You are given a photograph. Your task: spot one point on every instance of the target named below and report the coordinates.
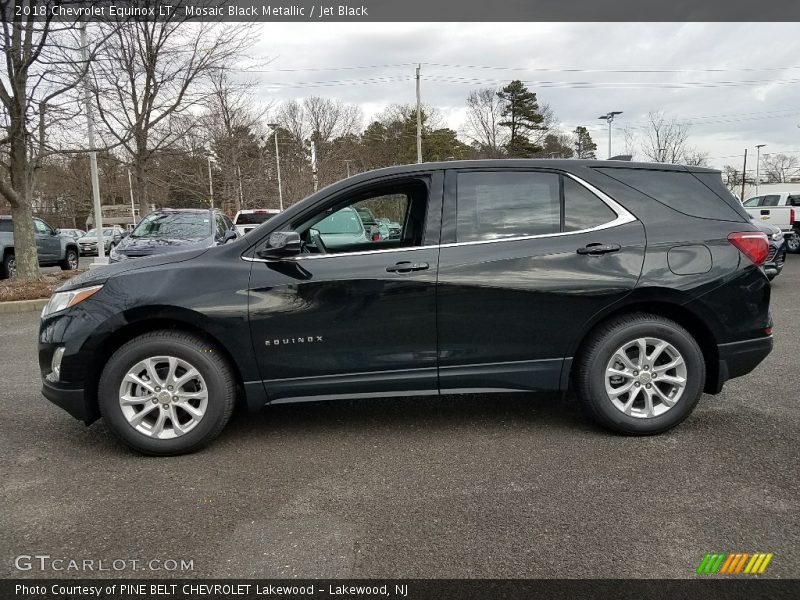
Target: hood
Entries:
(98, 275)
(147, 246)
(92, 238)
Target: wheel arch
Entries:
(100, 353)
(671, 305)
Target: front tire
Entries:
(70, 262)
(640, 374)
(793, 243)
(166, 392)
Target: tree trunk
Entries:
(25, 251)
(141, 188)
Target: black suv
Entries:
(638, 286)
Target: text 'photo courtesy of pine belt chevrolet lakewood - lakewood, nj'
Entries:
(635, 287)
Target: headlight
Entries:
(777, 236)
(62, 300)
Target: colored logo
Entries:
(732, 563)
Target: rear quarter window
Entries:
(6, 226)
(679, 190)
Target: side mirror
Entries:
(282, 244)
(229, 235)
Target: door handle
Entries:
(407, 267)
(598, 249)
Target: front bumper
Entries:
(72, 400)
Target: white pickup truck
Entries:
(781, 209)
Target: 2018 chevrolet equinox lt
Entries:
(637, 286)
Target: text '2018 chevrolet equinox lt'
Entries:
(637, 286)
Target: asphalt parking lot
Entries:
(503, 486)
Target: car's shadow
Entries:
(423, 412)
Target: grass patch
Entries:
(21, 289)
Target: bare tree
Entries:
(38, 82)
(322, 121)
(482, 128)
(151, 77)
(235, 125)
(665, 140)
(780, 167)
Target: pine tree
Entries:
(521, 116)
(584, 146)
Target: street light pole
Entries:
(98, 209)
(609, 118)
(758, 164)
(133, 207)
(210, 182)
(419, 120)
(278, 165)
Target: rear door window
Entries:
(753, 202)
(497, 205)
(771, 200)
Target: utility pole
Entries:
(98, 209)
(277, 165)
(347, 164)
(133, 207)
(241, 195)
(210, 182)
(314, 165)
(609, 118)
(758, 165)
(744, 172)
(419, 119)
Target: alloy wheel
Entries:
(645, 377)
(12, 267)
(163, 397)
(72, 260)
(793, 243)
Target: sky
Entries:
(736, 84)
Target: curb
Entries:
(22, 306)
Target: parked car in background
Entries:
(393, 230)
(777, 248)
(173, 230)
(371, 225)
(341, 228)
(781, 209)
(75, 234)
(111, 237)
(637, 286)
(249, 219)
(52, 249)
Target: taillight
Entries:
(791, 216)
(376, 237)
(753, 244)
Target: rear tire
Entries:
(637, 393)
(71, 261)
(169, 419)
(793, 243)
(8, 268)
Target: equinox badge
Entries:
(311, 339)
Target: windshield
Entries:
(343, 221)
(252, 218)
(94, 232)
(174, 225)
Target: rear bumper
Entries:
(73, 401)
(739, 358)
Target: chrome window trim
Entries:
(623, 217)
